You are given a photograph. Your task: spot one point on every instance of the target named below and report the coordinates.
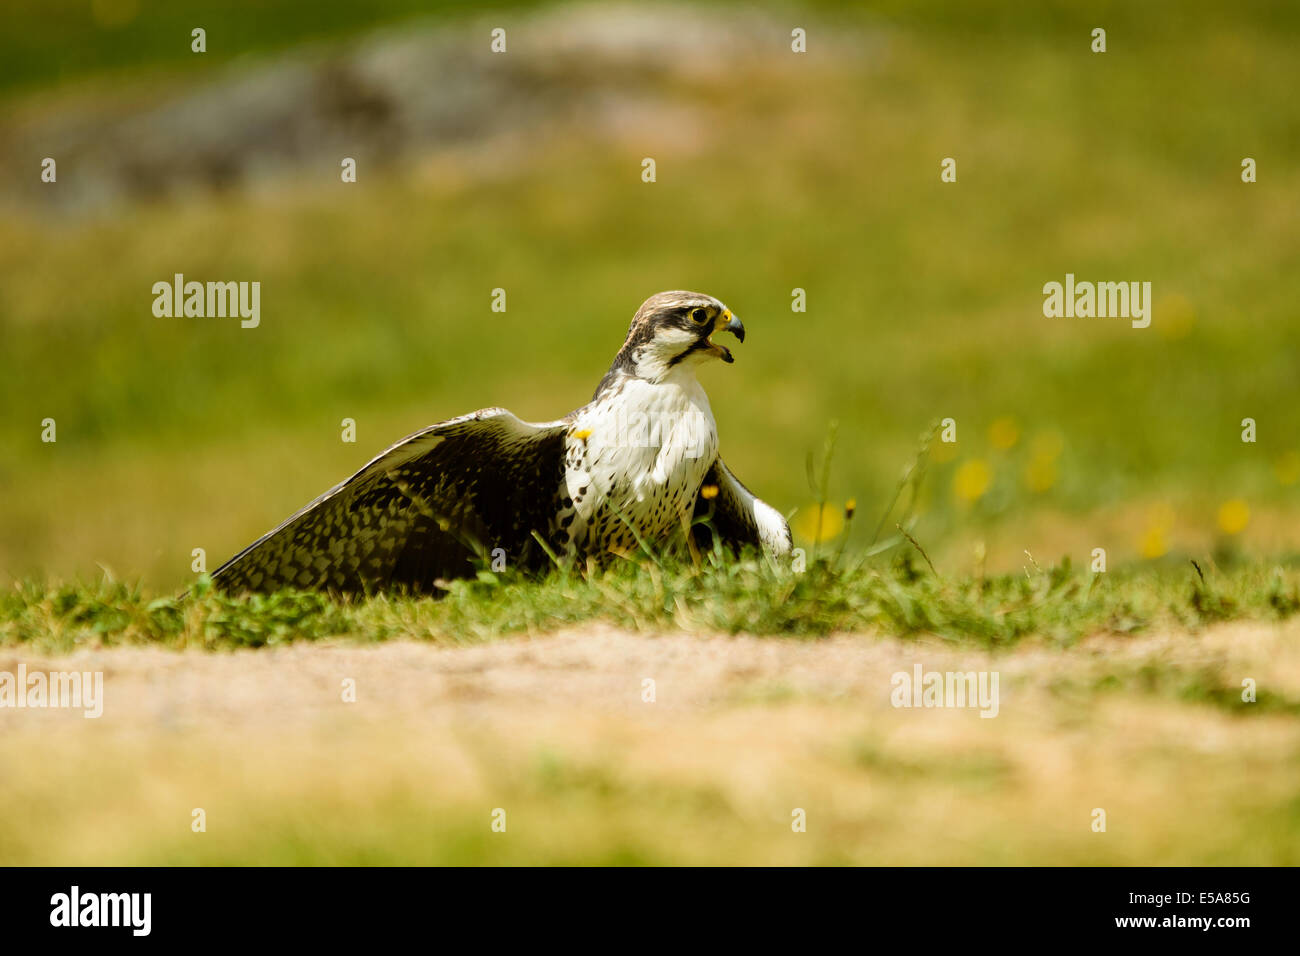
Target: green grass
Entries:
(752, 596)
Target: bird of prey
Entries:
(638, 464)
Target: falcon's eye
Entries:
(700, 316)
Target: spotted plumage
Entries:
(637, 464)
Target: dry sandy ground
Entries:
(743, 733)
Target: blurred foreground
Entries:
(742, 733)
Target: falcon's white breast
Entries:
(639, 450)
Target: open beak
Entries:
(726, 322)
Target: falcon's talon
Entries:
(508, 484)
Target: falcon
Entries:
(638, 465)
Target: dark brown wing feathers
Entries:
(423, 510)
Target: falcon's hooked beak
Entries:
(725, 322)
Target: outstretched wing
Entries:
(736, 516)
(422, 510)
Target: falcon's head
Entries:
(675, 329)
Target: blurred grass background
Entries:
(775, 171)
